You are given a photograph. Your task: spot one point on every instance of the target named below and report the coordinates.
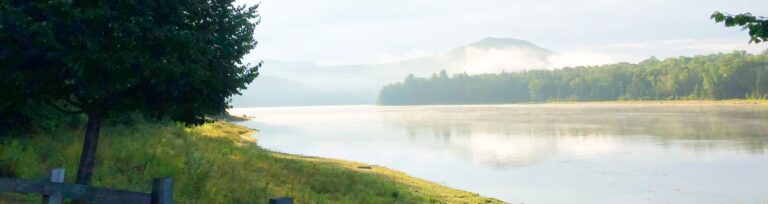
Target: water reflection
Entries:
(601, 153)
(524, 135)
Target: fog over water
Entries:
(594, 153)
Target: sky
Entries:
(338, 32)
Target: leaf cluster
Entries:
(757, 25)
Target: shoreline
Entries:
(639, 102)
(444, 194)
(434, 191)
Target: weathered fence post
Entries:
(162, 191)
(55, 191)
(57, 176)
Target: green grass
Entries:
(213, 163)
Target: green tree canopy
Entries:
(757, 25)
(170, 59)
(737, 75)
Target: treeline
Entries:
(736, 75)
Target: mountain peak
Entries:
(503, 44)
(491, 42)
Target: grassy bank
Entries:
(214, 163)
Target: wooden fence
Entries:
(55, 190)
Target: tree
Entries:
(736, 75)
(170, 59)
(757, 25)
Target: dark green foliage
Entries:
(757, 25)
(170, 59)
(177, 59)
(737, 75)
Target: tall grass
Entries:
(213, 163)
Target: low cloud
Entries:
(495, 60)
(583, 58)
(478, 61)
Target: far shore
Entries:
(242, 117)
(641, 102)
(681, 102)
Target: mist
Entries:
(336, 47)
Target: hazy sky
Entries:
(593, 31)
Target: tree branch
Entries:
(59, 108)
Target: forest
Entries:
(736, 75)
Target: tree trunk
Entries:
(88, 157)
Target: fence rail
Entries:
(55, 190)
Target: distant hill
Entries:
(489, 55)
(290, 83)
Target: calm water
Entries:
(599, 153)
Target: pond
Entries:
(544, 153)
